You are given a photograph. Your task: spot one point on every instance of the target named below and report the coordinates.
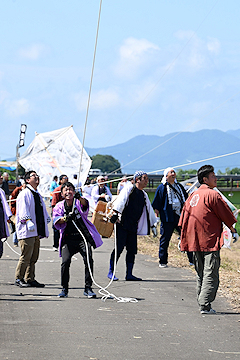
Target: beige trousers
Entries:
(29, 256)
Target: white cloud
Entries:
(133, 54)
(102, 99)
(33, 52)
(15, 108)
(214, 45)
(197, 51)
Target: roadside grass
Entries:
(229, 271)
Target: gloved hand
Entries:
(68, 217)
(114, 218)
(235, 237)
(154, 231)
(107, 198)
(77, 195)
(30, 225)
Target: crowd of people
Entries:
(197, 219)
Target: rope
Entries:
(174, 136)
(164, 73)
(90, 89)
(103, 290)
(199, 161)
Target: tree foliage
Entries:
(184, 173)
(189, 171)
(228, 171)
(235, 171)
(106, 163)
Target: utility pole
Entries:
(20, 144)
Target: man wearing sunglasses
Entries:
(31, 225)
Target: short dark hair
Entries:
(55, 177)
(67, 184)
(60, 178)
(27, 175)
(204, 171)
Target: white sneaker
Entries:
(163, 265)
(211, 311)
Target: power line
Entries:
(162, 76)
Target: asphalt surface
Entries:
(165, 323)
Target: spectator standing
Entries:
(5, 186)
(100, 191)
(121, 185)
(31, 225)
(5, 215)
(53, 186)
(57, 196)
(201, 223)
(14, 196)
(168, 202)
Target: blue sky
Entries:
(161, 66)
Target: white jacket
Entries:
(122, 200)
(25, 211)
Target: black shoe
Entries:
(132, 278)
(63, 293)
(89, 293)
(21, 283)
(35, 283)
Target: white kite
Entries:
(54, 153)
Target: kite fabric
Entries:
(54, 153)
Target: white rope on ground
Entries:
(103, 290)
(164, 73)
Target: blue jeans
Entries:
(15, 240)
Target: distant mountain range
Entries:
(151, 152)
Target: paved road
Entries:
(164, 324)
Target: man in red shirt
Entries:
(201, 232)
(55, 199)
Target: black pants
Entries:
(56, 236)
(126, 239)
(68, 250)
(166, 231)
